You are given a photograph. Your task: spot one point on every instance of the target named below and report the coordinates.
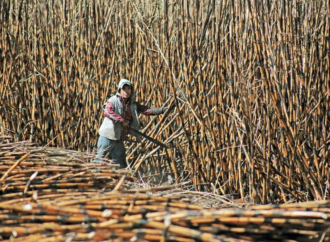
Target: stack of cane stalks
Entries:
(59, 195)
(26, 169)
(250, 83)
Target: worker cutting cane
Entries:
(120, 119)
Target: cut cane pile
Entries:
(52, 194)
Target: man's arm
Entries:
(149, 110)
(111, 114)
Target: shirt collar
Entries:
(121, 99)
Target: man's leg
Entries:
(118, 154)
(104, 147)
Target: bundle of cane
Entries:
(136, 216)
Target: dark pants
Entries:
(113, 149)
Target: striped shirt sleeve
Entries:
(111, 114)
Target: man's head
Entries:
(125, 89)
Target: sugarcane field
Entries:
(176, 121)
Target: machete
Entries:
(149, 138)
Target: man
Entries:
(121, 112)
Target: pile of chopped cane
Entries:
(51, 194)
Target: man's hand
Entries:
(125, 124)
(160, 110)
(170, 108)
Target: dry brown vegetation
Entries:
(249, 81)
